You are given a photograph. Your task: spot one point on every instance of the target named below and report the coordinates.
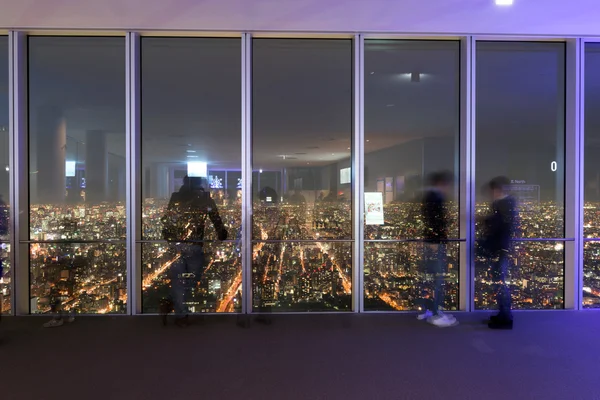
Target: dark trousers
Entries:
(435, 264)
(501, 289)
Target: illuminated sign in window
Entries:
(345, 175)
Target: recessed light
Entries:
(504, 2)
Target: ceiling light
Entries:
(504, 2)
(192, 156)
(191, 151)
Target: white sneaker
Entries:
(425, 315)
(53, 323)
(440, 312)
(442, 321)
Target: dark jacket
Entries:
(186, 216)
(500, 226)
(435, 217)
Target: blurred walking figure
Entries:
(183, 228)
(500, 227)
(435, 218)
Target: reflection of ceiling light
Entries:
(191, 151)
(504, 2)
(333, 154)
(372, 72)
(348, 148)
(192, 156)
(7, 168)
(367, 140)
(260, 171)
(197, 169)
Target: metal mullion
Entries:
(467, 191)
(358, 183)
(133, 151)
(574, 169)
(246, 132)
(19, 172)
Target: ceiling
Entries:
(525, 17)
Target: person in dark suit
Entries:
(500, 227)
(435, 235)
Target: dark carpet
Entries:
(548, 355)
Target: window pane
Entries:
(536, 277)
(412, 99)
(521, 135)
(591, 275)
(218, 288)
(81, 277)
(5, 294)
(302, 139)
(77, 169)
(521, 129)
(591, 211)
(302, 134)
(398, 277)
(191, 133)
(301, 276)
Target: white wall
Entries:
(525, 17)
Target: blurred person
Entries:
(499, 229)
(183, 228)
(435, 236)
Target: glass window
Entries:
(521, 135)
(302, 139)
(191, 173)
(412, 128)
(5, 276)
(591, 211)
(77, 174)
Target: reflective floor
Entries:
(549, 355)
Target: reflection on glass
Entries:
(77, 138)
(301, 276)
(591, 275)
(5, 295)
(536, 277)
(82, 277)
(521, 129)
(5, 279)
(412, 98)
(191, 121)
(219, 289)
(521, 135)
(77, 169)
(302, 135)
(398, 277)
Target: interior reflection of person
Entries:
(435, 234)
(499, 229)
(184, 229)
